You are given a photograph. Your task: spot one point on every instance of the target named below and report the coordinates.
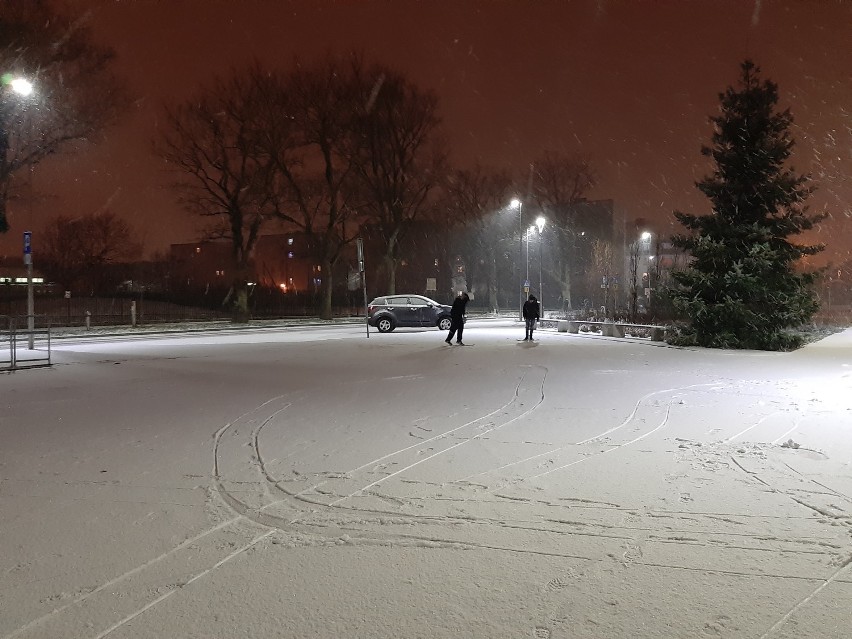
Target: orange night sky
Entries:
(629, 83)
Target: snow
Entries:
(313, 482)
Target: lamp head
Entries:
(19, 85)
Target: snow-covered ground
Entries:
(315, 483)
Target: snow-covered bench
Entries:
(612, 329)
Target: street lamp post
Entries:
(646, 244)
(23, 88)
(529, 233)
(519, 204)
(539, 222)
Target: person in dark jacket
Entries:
(457, 319)
(532, 312)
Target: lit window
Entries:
(198, 249)
(436, 261)
(289, 241)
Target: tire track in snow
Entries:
(189, 581)
(753, 426)
(90, 595)
(80, 599)
(528, 395)
(365, 530)
(844, 567)
(823, 511)
(627, 421)
(659, 426)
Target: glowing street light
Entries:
(22, 86)
(19, 85)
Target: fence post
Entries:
(12, 342)
(88, 320)
(133, 313)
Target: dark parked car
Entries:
(390, 311)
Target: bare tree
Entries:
(633, 275)
(561, 182)
(308, 142)
(74, 92)
(212, 141)
(602, 272)
(76, 252)
(474, 199)
(398, 157)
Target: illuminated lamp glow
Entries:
(21, 86)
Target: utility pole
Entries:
(28, 260)
(360, 244)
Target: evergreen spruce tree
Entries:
(742, 289)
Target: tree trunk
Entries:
(564, 271)
(634, 281)
(240, 312)
(564, 274)
(492, 281)
(327, 289)
(390, 268)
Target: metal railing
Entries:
(21, 347)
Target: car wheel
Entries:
(385, 325)
(444, 323)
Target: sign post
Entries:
(360, 243)
(28, 260)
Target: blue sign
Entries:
(28, 242)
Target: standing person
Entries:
(457, 318)
(531, 314)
